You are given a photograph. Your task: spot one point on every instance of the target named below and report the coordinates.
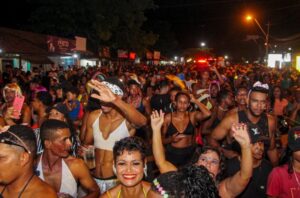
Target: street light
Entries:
(266, 34)
(202, 44)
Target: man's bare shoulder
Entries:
(42, 189)
(74, 161)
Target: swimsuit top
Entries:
(189, 130)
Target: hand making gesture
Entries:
(157, 120)
(104, 92)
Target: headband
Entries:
(259, 85)
(114, 88)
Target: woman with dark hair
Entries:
(190, 182)
(130, 167)
(179, 129)
(283, 181)
(209, 158)
(278, 102)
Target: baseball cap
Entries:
(294, 139)
(256, 134)
(60, 107)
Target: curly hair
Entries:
(190, 182)
(130, 144)
(202, 150)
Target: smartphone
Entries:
(17, 106)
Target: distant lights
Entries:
(1, 51)
(226, 57)
(175, 58)
(75, 55)
(203, 44)
(290, 49)
(189, 60)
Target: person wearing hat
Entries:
(284, 181)
(115, 120)
(255, 114)
(261, 167)
(17, 176)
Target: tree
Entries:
(116, 23)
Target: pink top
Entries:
(281, 184)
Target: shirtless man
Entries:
(17, 154)
(115, 120)
(257, 103)
(57, 167)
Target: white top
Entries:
(68, 183)
(107, 144)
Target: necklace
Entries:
(23, 189)
(297, 180)
(48, 162)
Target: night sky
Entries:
(219, 23)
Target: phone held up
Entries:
(17, 106)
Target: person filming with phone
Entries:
(15, 110)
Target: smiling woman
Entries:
(129, 167)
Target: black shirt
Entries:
(258, 183)
(160, 102)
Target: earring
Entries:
(114, 170)
(145, 170)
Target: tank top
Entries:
(68, 183)
(189, 130)
(262, 124)
(107, 144)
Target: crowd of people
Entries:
(150, 131)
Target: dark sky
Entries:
(221, 23)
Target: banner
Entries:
(122, 54)
(156, 55)
(104, 52)
(60, 45)
(80, 43)
(149, 55)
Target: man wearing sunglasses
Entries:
(17, 154)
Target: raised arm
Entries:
(106, 95)
(220, 132)
(233, 186)
(163, 165)
(204, 111)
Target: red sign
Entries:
(60, 45)
(132, 55)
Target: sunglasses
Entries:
(21, 143)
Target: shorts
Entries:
(179, 156)
(106, 184)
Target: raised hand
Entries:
(240, 134)
(157, 120)
(104, 93)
